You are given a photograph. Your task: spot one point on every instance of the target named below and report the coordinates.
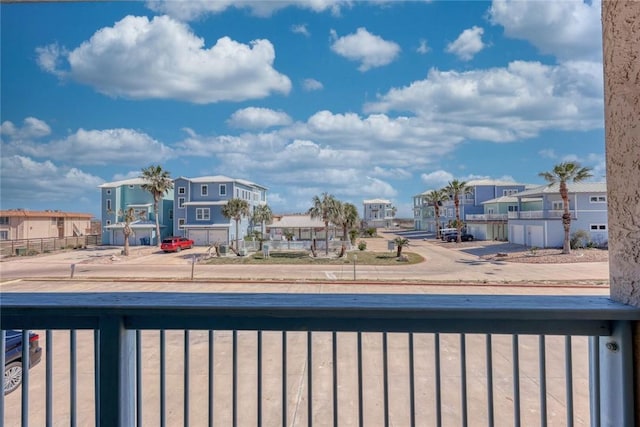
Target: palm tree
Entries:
(400, 243)
(562, 173)
(235, 209)
(435, 198)
(324, 207)
(262, 214)
(456, 189)
(128, 217)
(347, 217)
(158, 183)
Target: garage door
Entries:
(535, 234)
(516, 234)
(208, 237)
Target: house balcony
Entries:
(486, 217)
(546, 214)
(138, 359)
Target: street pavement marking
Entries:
(330, 275)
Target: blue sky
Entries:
(359, 99)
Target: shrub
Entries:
(370, 232)
(362, 245)
(580, 239)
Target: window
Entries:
(131, 186)
(108, 222)
(108, 204)
(181, 223)
(598, 227)
(4, 235)
(509, 192)
(182, 190)
(202, 214)
(512, 208)
(598, 199)
(4, 220)
(181, 202)
(170, 213)
(108, 191)
(557, 205)
(223, 189)
(204, 190)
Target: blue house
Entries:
(538, 218)
(471, 204)
(198, 207)
(118, 197)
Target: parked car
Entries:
(465, 237)
(13, 358)
(176, 244)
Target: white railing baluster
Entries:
(48, 348)
(463, 379)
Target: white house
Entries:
(378, 213)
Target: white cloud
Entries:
(568, 29)
(300, 29)
(423, 47)
(504, 104)
(468, 43)
(258, 118)
(92, 147)
(311, 85)
(163, 59)
(436, 179)
(32, 128)
(368, 49)
(28, 182)
(548, 153)
(188, 10)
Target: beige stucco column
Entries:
(621, 43)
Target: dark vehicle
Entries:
(465, 237)
(176, 244)
(13, 358)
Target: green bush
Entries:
(362, 245)
(370, 232)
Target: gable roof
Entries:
(573, 187)
(131, 181)
(44, 214)
(384, 201)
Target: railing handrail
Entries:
(575, 315)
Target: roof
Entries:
(297, 221)
(573, 187)
(43, 214)
(140, 205)
(509, 199)
(376, 201)
(476, 182)
(131, 181)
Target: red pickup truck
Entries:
(176, 244)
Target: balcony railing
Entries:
(486, 217)
(127, 359)
(548, 214)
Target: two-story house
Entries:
(198, 207)
(537, 221)
(471, 205)
(378, 213)
(16, 224)
(118, 197)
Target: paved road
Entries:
(444, 264)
